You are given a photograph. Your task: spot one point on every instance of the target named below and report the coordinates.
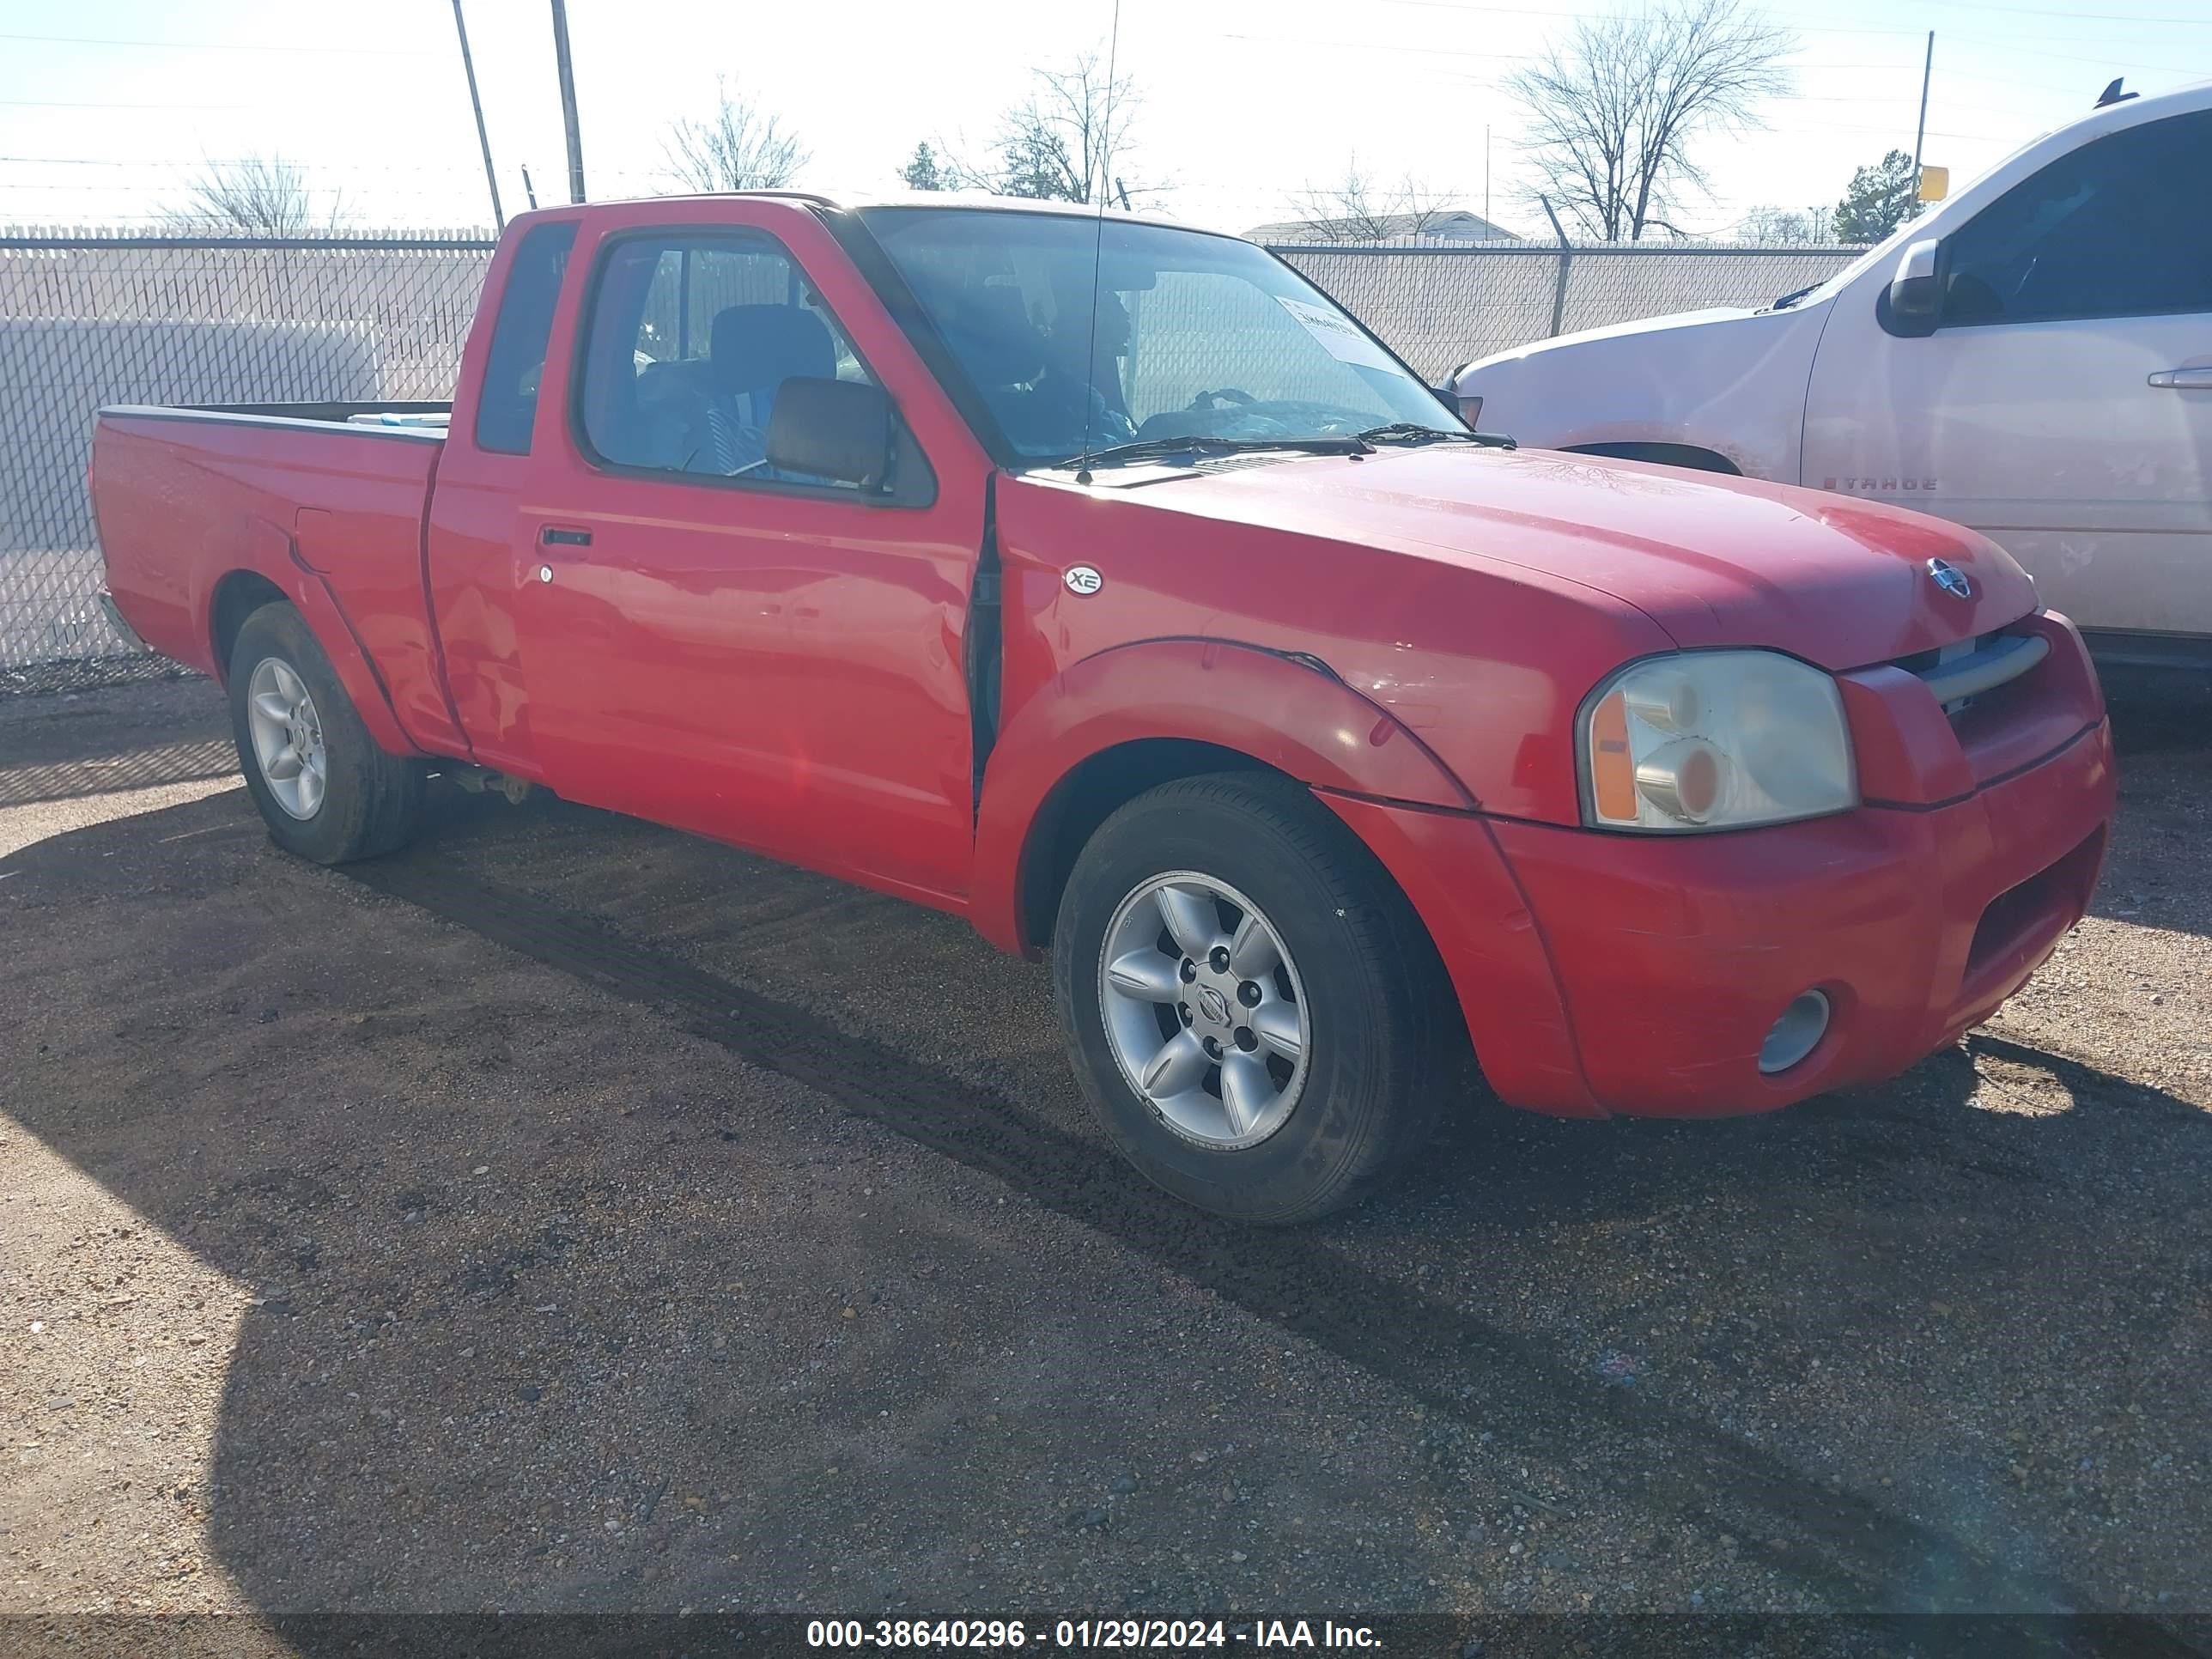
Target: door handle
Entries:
(555, 536)
(2183, 379)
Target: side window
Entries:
(516, 363)
(693, 334)
(2118, 228)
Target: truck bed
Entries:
(310, 499)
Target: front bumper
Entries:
(1674, 958)
(1604, 974)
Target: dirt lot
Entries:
(570, 1214)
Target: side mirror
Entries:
(1915, 294)
(840, 430)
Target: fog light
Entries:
(1795, 1035)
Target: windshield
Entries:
(1197, 336)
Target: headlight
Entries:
(1715, 740)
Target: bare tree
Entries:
(253, 196)
(738, 147)
(1613, 111)
(1362, 209)
(1068, 141)
(1766, 227)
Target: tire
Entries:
(1369, 995)
(363, 801)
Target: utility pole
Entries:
(568, 100)
(476, 103)
(1485, 165)
(1920, 132)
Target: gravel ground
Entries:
(568, 1214)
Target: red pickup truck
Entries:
(1103, 582)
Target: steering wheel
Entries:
(1229, 397)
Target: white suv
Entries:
(2031, 358)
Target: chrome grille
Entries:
(1968, 669)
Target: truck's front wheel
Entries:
(1252, 1009)
(325, 790)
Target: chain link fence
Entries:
(89, 318)
(1443, 306)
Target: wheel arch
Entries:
(1136, 716)
(1097, 788)
(272, 574)
(237, 596)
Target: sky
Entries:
(108, 108)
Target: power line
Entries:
(1488, 10)
(173, 163)
(2072, 16)
(2081, 58)
(1425, 50)
(1482, 9)
(49, 103)
(215, 45)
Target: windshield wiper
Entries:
(1145, 449)
(1792, 298)
(1414, 432)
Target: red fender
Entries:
(1289, 716)
(266, 549)
(1376, 775)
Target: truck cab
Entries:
(2031, 358)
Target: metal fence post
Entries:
(1567, 261)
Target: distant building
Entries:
(1455, 226)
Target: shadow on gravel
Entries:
(1485, 1289)
(2159, 871)
(2158, 714)
(101, 774)
(111, 738)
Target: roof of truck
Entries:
(969, 199)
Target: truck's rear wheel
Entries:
(325, 790)
(1250, 1005)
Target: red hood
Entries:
(1713, 561)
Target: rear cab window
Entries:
(507, 407)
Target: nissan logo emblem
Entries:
(1952, 580)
